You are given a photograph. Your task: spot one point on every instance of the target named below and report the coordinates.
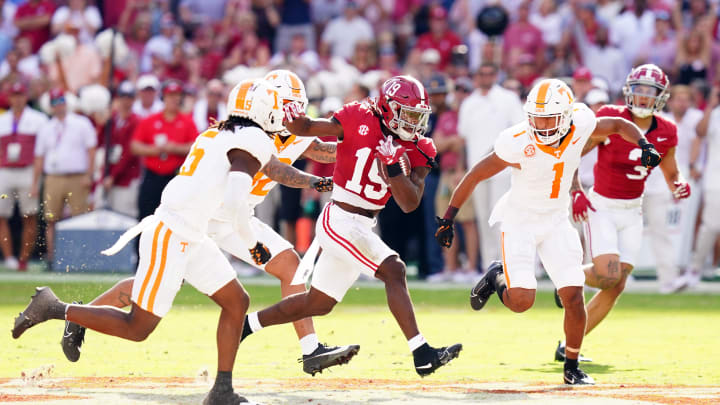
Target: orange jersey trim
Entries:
(554, 151)
(519, 133)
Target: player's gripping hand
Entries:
(682, 190)
(323, 184)
(292, 111)
(580, 206)
(650, 156)
(388, 152)
(445, 233)
(260, 254)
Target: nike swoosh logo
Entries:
(570, 380)
(662, 139)
(575, 141)
(423, 367)
(68, 334)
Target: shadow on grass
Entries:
(590, 368)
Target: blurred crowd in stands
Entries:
(103, 99)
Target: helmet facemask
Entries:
(408, 122)
(635, 93)
(549, 133)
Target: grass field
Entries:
(649, 340)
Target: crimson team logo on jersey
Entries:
(363, 130)
(529, 151)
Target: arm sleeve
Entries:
(235, 205)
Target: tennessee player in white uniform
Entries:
(543, 155)
(215, 178)
(287, 149)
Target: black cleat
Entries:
(327, 356)
(482, 291)
(435, 358)
(575, 376)
(560, 354)
(558, 301)
(41, 308)
(223, 398)
(72, 340)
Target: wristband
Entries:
(394, 169)
(451, 212)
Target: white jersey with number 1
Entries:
(541, 185)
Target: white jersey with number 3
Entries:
(542, 183)
(192, 197)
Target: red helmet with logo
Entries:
(646, 81)
(403, 105)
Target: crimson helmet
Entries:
(403, 105)
(640, 82)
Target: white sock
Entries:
(254, 322)
(416, 342)
(309, 343)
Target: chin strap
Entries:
(430, 161)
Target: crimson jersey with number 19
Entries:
(618, 171)
(357, 173)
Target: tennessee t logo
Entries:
(184, 245)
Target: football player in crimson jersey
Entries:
(543, 153)
(613, 208)
(380, 148)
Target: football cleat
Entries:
(560, 354)
(224, 398)
(433, 359)
(484, 288)
(327, 356)
(575, 376)
(42, 305)
(72, 340)
(558, 301)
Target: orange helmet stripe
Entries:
(295, 85)
(241, 100)
(542, 94)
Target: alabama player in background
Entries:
(613, 207)
(380, 148)
(216, 176)
(543, 153)
(288, 148)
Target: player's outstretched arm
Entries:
(630, 132)
(289, 175)
(299, 124)
(489, 166)
(321, 152)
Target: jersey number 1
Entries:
(558, 169)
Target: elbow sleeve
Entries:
(235, 205)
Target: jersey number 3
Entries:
(641, 170)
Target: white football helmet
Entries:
(259, 101)
(289, 85)
(549, 98)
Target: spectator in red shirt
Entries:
(33, 21)
(162, 140)
(122, 174)
(440, 37)
(18, 129)
(523, 39)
